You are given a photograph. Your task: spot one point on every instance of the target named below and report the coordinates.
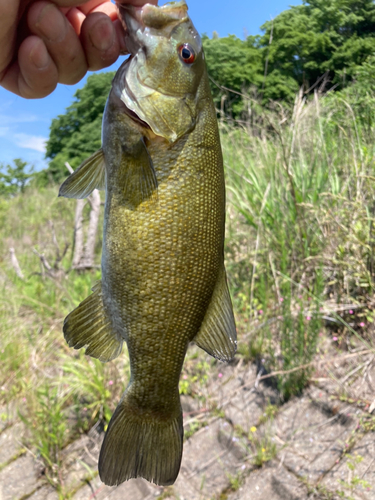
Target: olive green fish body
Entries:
(163, 278)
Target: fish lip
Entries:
(175, 10)
(130, 14)
(139, 19)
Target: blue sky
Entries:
(24, 125)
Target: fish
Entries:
(164, 282)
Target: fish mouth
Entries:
(153, 16)
(137, 21)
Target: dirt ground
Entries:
(244, 445)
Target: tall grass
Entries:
(300, 229)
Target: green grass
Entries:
(46, 420)
(299, 229)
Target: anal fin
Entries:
(217, 334)
(89, 326)
(89, 175)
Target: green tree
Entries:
(356, 102)
(233, 64)
(13, 179)
(319, 36)
(75, 135)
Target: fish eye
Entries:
(186, 53)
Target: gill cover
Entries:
(159, 86)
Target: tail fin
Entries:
(139, 443)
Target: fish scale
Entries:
(163, 276)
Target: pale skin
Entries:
(43, 43)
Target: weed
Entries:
(194, 426)
(195, 376)
(269, 413)
(185, 386)
(263, 446)
(253, 349)
(368, 423)
(354, 481)
(235, 481)
(167, 493)
(95, 384)
(298, 338)
(47, 424)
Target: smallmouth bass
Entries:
(163, 277)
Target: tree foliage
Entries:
(299, 46)
(232, 64)
(319, 36)
(13, 179)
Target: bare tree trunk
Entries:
(84, 255)
(15, 264)
(78, 234)
(89, 253)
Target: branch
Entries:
(316, 362)
(69, 167)
(44, 261)
(297, 368)
(78, 234)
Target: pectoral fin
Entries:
(89, 326)
(90, 175)
(140, 181)
(217, 334)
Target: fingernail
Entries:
(102, 35)
(51, 24)
(39, 56)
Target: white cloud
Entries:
(27, 141)
(22, 118)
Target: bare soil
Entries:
(243, 443)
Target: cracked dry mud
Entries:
(320, 445)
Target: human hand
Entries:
(46, 42)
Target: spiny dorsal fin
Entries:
(89, 326)
(217, 334)
(90, 175)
